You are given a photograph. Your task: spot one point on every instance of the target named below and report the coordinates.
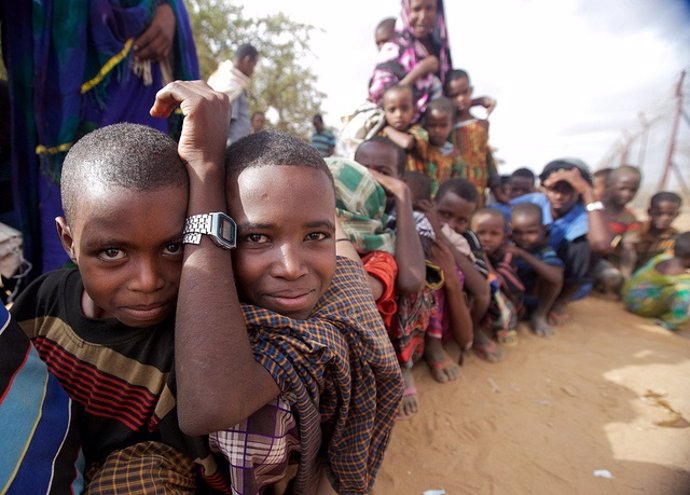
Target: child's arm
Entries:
(458, 312)
(403, 139)
(408, 247)
(628, 259)
(552, 274)
(424, 67)
(219, 383)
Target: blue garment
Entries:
(40, 442)
(324, 142)
(525, 271)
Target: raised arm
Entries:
(408, 248)
(218, 381)
(550, 273)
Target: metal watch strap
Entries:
(194, 227)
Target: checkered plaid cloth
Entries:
(338, 374)
(147, 468)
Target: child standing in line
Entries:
(611, 271)
(442, 157)
(508, 292)
(657, 233)
(399, 110)
(661, 288)
(471, 138)
(538, 266)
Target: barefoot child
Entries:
(661, 288)
(455, 204)
(657, 233)
(508, 293)
(291, 370)
(398, 109)
(612, 270)
(538, 266)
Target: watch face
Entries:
(227, 230)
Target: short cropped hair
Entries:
(453, 75)
(602, 173)
(441, 104)
(246, 50)
(462, 187)
(400, 153)
(419, 183)
(527, 209)
(130, 156)
(669, 196)
(525, 173)
(622, 171)
(267, 148)
(387, 23)
(399, 87)
(491, 212)
(681, 248)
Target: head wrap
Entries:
(360, 205)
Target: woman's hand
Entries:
(155, 43)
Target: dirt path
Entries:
(611, 391)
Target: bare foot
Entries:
(558, 315)
(408, 405)
(486, 348)
(541, 326)
(442, 366)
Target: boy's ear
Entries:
(66, 239)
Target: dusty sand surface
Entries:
(610, 391)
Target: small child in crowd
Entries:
(657, 233)
(471, 138)
(661, 288)
(442, 160)
(454, 205)
(521, 182)
(611, 271)
(538, 266)
(384, 32)
(399, 110)
(508, 292)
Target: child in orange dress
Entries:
(471, 137)
(443, 159)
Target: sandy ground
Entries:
(610, 391)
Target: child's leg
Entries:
(442, 366)
(578, 261)
(608, 279)
(546, 293)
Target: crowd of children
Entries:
(245, 320)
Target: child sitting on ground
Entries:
(455, 204)
(105, 329)
(508, 293)
(441, 156)
(291, 370)
(471, 138)
(612, 270)
(661, 288)
(399, 110)
(577, 226)
(657, 233)
(538, 266)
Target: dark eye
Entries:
(256, 238)
(174, 248)
(317, 236)
(111, 254)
